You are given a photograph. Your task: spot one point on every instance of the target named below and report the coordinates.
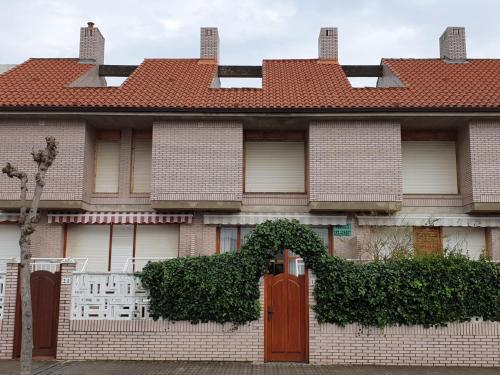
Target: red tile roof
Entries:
(307, 85)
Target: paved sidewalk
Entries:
(226, 368)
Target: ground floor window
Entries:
(231, 238)
(109, 247)
(9, 243)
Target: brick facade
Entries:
(7, 324)
(65, 178)
(197, 161)
(355, 161)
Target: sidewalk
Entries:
(227, 368)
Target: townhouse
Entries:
(173, 163)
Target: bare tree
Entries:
(28, 220)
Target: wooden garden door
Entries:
(285, 309)
(45, 290)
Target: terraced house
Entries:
(173, 163)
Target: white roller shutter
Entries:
(107, 165)
(465, 240)
(92, 242)
(9, 241)
(156, 241)
(274, 167)
(122, 246)
(141, 177)
(429, 167)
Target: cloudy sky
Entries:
(250, 30)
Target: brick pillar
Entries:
(8, 322)
(493, 243)
(67, 270)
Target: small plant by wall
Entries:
(408, 290)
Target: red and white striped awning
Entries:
(9, 217)
(119, 218)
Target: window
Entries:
(230, 239)
(429, 167)
(108, 247)
(275, 166)
(107, 162)
(427, 240)
(141, 163)
(467, 241)
(9, 241)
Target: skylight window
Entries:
(363, 81)
(240, 82)
(115, 81)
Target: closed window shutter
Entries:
(156, 241)
(107, 166)
(92, 242)
(275, 167)
(9, 241)
(429, 167)
(141, 178)
(467, 241)
(122, 246)
(427, 240)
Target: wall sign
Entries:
(342, 230)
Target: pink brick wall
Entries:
(458, 344)
(485, 161)
(197, 238)
(493, 241)
(357, 161)
(197, 161)
(48, 239)
(155, 340)
(65, 177)
(8, 322)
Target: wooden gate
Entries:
(45, 292)
(286, 318)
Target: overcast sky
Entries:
(250, 30)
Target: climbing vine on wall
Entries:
(225, 288)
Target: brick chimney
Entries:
(91, 44)
(452, 44)
(328, 43)
(209, 43)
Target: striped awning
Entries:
(258, 218)
(119, 218)
(9, 217)
(420, 220)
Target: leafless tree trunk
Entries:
(28, 220)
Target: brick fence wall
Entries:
(9, 317)
(458, 344)
(134, 340)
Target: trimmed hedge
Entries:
(225, 288)
(431, 290)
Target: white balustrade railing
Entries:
(54, 264)
(2, 293)
(136, 264)
(110, 296)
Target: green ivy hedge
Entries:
(431, 290)
(225, 288)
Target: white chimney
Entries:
(91, 45)
(209, 43)
(328, 43)
(452, 44)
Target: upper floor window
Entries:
(274, 163)
(141, 162)
(107, 162)
(429, 167)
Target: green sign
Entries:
(342, 230)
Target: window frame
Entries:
(274, 136)
(139, 135)
(113, 136)
(435, 136)
(110, 240)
